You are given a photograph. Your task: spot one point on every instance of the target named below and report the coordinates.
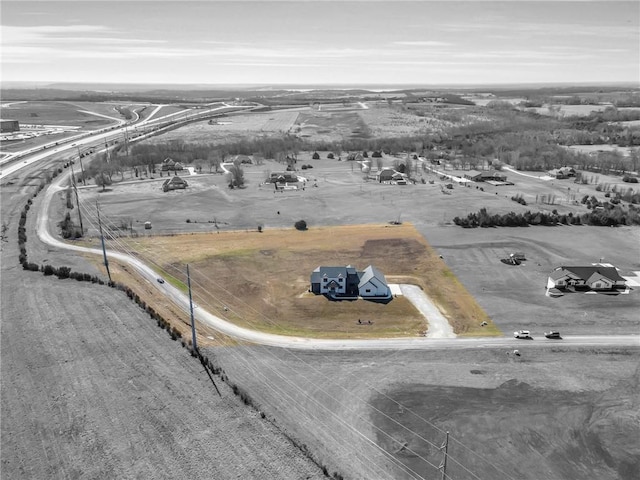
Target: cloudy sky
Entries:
(320, 42)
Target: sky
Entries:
(320, 42)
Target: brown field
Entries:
(263, 279)
(237, 128)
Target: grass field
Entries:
(60, 113)
(263, 278)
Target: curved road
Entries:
(240, 333)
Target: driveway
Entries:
(439, 326)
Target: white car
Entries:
(524, 334)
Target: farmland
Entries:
(553, 411)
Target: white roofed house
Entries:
(373, 284)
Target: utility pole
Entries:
(443, 465)
(75, 189)
(193, 323)
(104, 250)
(84, 182)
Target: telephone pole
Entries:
(84, 182)
(104, 250)
(75, 189)
(443, 465)
(193, 322)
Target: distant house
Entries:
(170, 165)
(174, 183)
(488, 176)
(385, 174)
(557, 174)
(240, 159)
(347, 282)
(282, 177)
(593, 277)
(356, 157)
(561, 173)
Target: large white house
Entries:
(347, 282)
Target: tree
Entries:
(301, 225)
(102, 180)
(236, 176)
(213, 160)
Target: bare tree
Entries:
(236, 176)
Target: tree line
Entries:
(609, 215)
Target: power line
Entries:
(116, 241)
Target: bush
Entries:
(301, 225)
(48, 270)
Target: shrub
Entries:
(301, 225)
(48, 270)
(63, 272)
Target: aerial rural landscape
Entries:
(350, 278)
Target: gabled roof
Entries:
(331, 272)
(370, 273)
(176, 179)
(491, 174)
(585, 272)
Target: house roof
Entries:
(558, 274)
(370, 273)
(332, 272)
(491, 174)
(586, 272)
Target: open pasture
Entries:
(58, 114)
(513, 296)
(231, 128)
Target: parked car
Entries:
(523, 334)
(554, 334)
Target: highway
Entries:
(97, 140)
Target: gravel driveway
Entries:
(439, 327)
